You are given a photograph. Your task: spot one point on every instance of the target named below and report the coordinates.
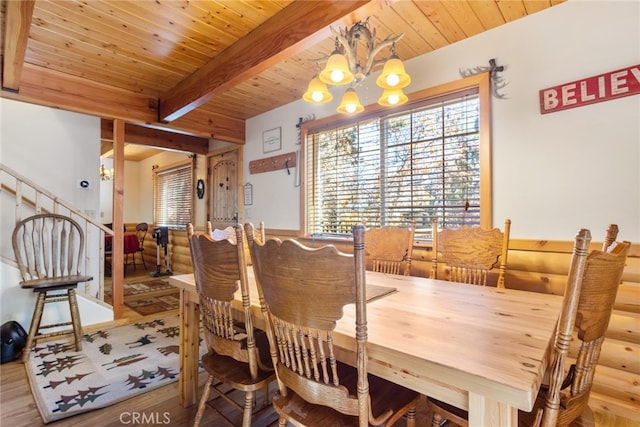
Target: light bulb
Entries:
(350, 108)
(393, 79)
(317, 96)
(337, 76)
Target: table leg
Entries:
(485, 412)
(189, 348)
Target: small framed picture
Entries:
(271, 140)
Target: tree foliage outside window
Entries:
(173, 196)
(420, 164)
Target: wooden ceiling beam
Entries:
(291, 31)
(219, 126)
(17, 20)
(59, 90)
(135, 134)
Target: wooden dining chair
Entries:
(470, 253)
(592, 285)
(141, 233)
(49, 250)
(389, 249)
(238, 354)
(304, 292)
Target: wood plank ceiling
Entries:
(201, 68)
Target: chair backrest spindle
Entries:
(610, 237)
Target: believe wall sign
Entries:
(603, 87)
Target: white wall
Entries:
(55, 149)
(553, 173)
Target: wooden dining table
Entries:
(482, 349)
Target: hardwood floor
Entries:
(159, 406)
(156, 407)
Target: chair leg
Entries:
(248, 409)
(203, 401)
(144, 263)
(75, 318)
(35, 326)
(266, 395)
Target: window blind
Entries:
(420, 164)
(173, 196)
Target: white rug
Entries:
(113, 365)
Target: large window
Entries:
(418, 164)
(173, 196)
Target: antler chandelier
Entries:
(344, 67)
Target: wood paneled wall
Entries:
(537, 266)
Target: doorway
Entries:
(223, 194)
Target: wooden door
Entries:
(223, 193)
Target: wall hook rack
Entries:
(268, 164)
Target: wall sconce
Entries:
(106, 174)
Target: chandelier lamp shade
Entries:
(350, 103)
(392, 97)
(346, 66)
(393, 75)
(337, 70)
(317, 92)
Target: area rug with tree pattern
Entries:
(114, 364)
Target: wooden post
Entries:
(117, 270)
